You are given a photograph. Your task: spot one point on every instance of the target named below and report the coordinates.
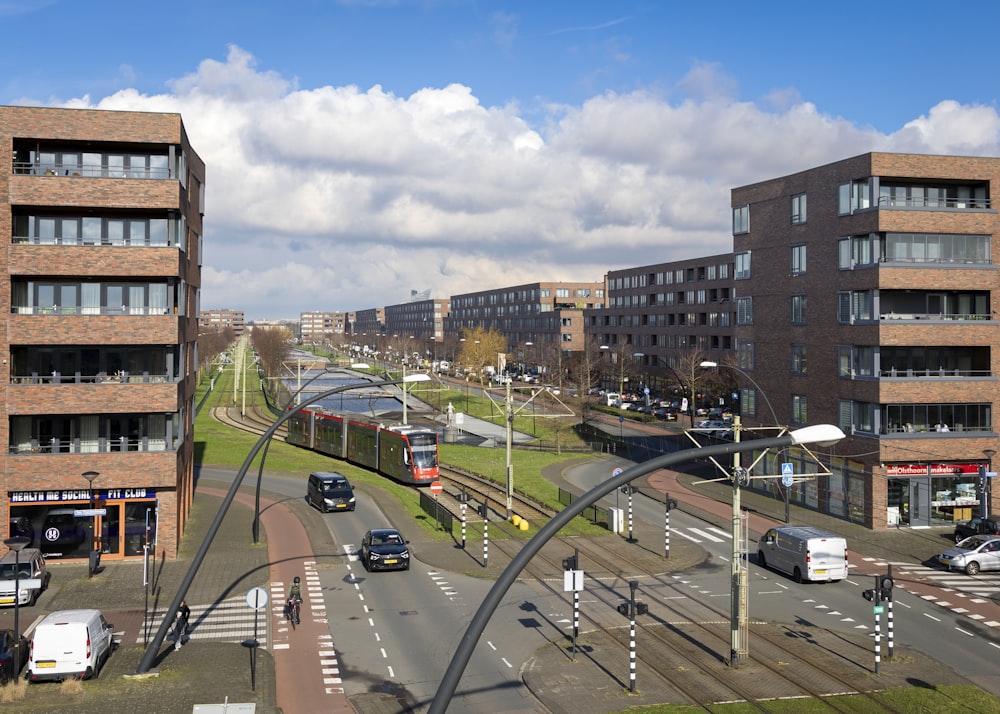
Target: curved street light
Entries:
(820, 434)
(149, 657)
(750, 379)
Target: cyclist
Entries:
(294, 600)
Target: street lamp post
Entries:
(738, 573)
(820, 434)
(17, 544)
(91, 565)
(149, 657)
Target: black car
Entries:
(9, 645)
(989, 525)
(385, 549)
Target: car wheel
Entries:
(761, 560)
(797, 575)
(972, 568)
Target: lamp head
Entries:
(708, 363)
(417, 378)
(360, 365)
(819, 434)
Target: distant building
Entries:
(218, 320)
(540, 313)
(317, 327)
(103, 213)
(421, 319)
(657, 314)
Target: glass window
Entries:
(799, 209)
(798, 259)
(744, 311)
(798, 359)
(741, 220)
(798, 309)
(799, 414)
(742, 261)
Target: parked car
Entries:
(975, 553)
(70, 644)
(665, 413)
(715, 427)
(385, 549)
(976, 526)
(9, 648)
(31, 578)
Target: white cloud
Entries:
(346, 198)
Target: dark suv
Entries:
(977, 525)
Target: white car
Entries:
(975, 553)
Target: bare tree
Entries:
(272, 345)
(212, 344)
(621, 363)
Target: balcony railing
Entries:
(937, 373)
(927, 202)
(102, 445)
(101, 310)
(90, 171)
(99, 378)
(965, 316)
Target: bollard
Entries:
(523, 525)
(515, 519)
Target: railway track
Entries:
(685, 641)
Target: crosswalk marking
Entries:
(226, 621)
(984, 584)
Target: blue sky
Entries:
(459, 145)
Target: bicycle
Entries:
(293, 610)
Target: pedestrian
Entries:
(182, 627)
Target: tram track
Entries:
(683, 645)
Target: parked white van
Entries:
(806, 553)
(70, 644)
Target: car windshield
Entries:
(388, 539)
(972, 542)
(335, 485)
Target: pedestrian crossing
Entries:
(983, 585)
(230, 620)
(700, 535)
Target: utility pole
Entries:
(510, 443)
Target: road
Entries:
(395, 632)
(919, 620)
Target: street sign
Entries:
(81, 512)
(436, 487)
(991, 474)
(616, 472)
(256, 598)
(878, 609)
(786, 474)
(572, 581)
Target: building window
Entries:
(855, 251)
(855, 361)
(745, 355)
(742, 261)
(748, 402)
(854, 196)
(799, 415)
(855, 306)
(798, 359)
(798, 309)
(741, 220)
(798, 259)
(799, 209)
(935, 248)
(856, 417)
(744, 311)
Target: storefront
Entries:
(61, 523)
(932, 494)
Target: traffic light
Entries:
(671, 504)
(641, 608)
(569, 563)
(870, 595)
(623, 607)
(885, 587)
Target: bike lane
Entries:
(306, 667)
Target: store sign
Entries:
(932, 469)
(108, 494)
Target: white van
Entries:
(70, 644)
(806, 553)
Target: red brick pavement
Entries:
(307, 675)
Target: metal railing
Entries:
(25, 168)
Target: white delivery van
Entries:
(69, 644)
(807, 553)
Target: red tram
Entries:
(405, 453)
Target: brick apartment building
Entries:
(866, 296)
(657, 314)
(103, 213)
(220, 319)
(548, 315)
(318, 327)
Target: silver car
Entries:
(975, 553)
